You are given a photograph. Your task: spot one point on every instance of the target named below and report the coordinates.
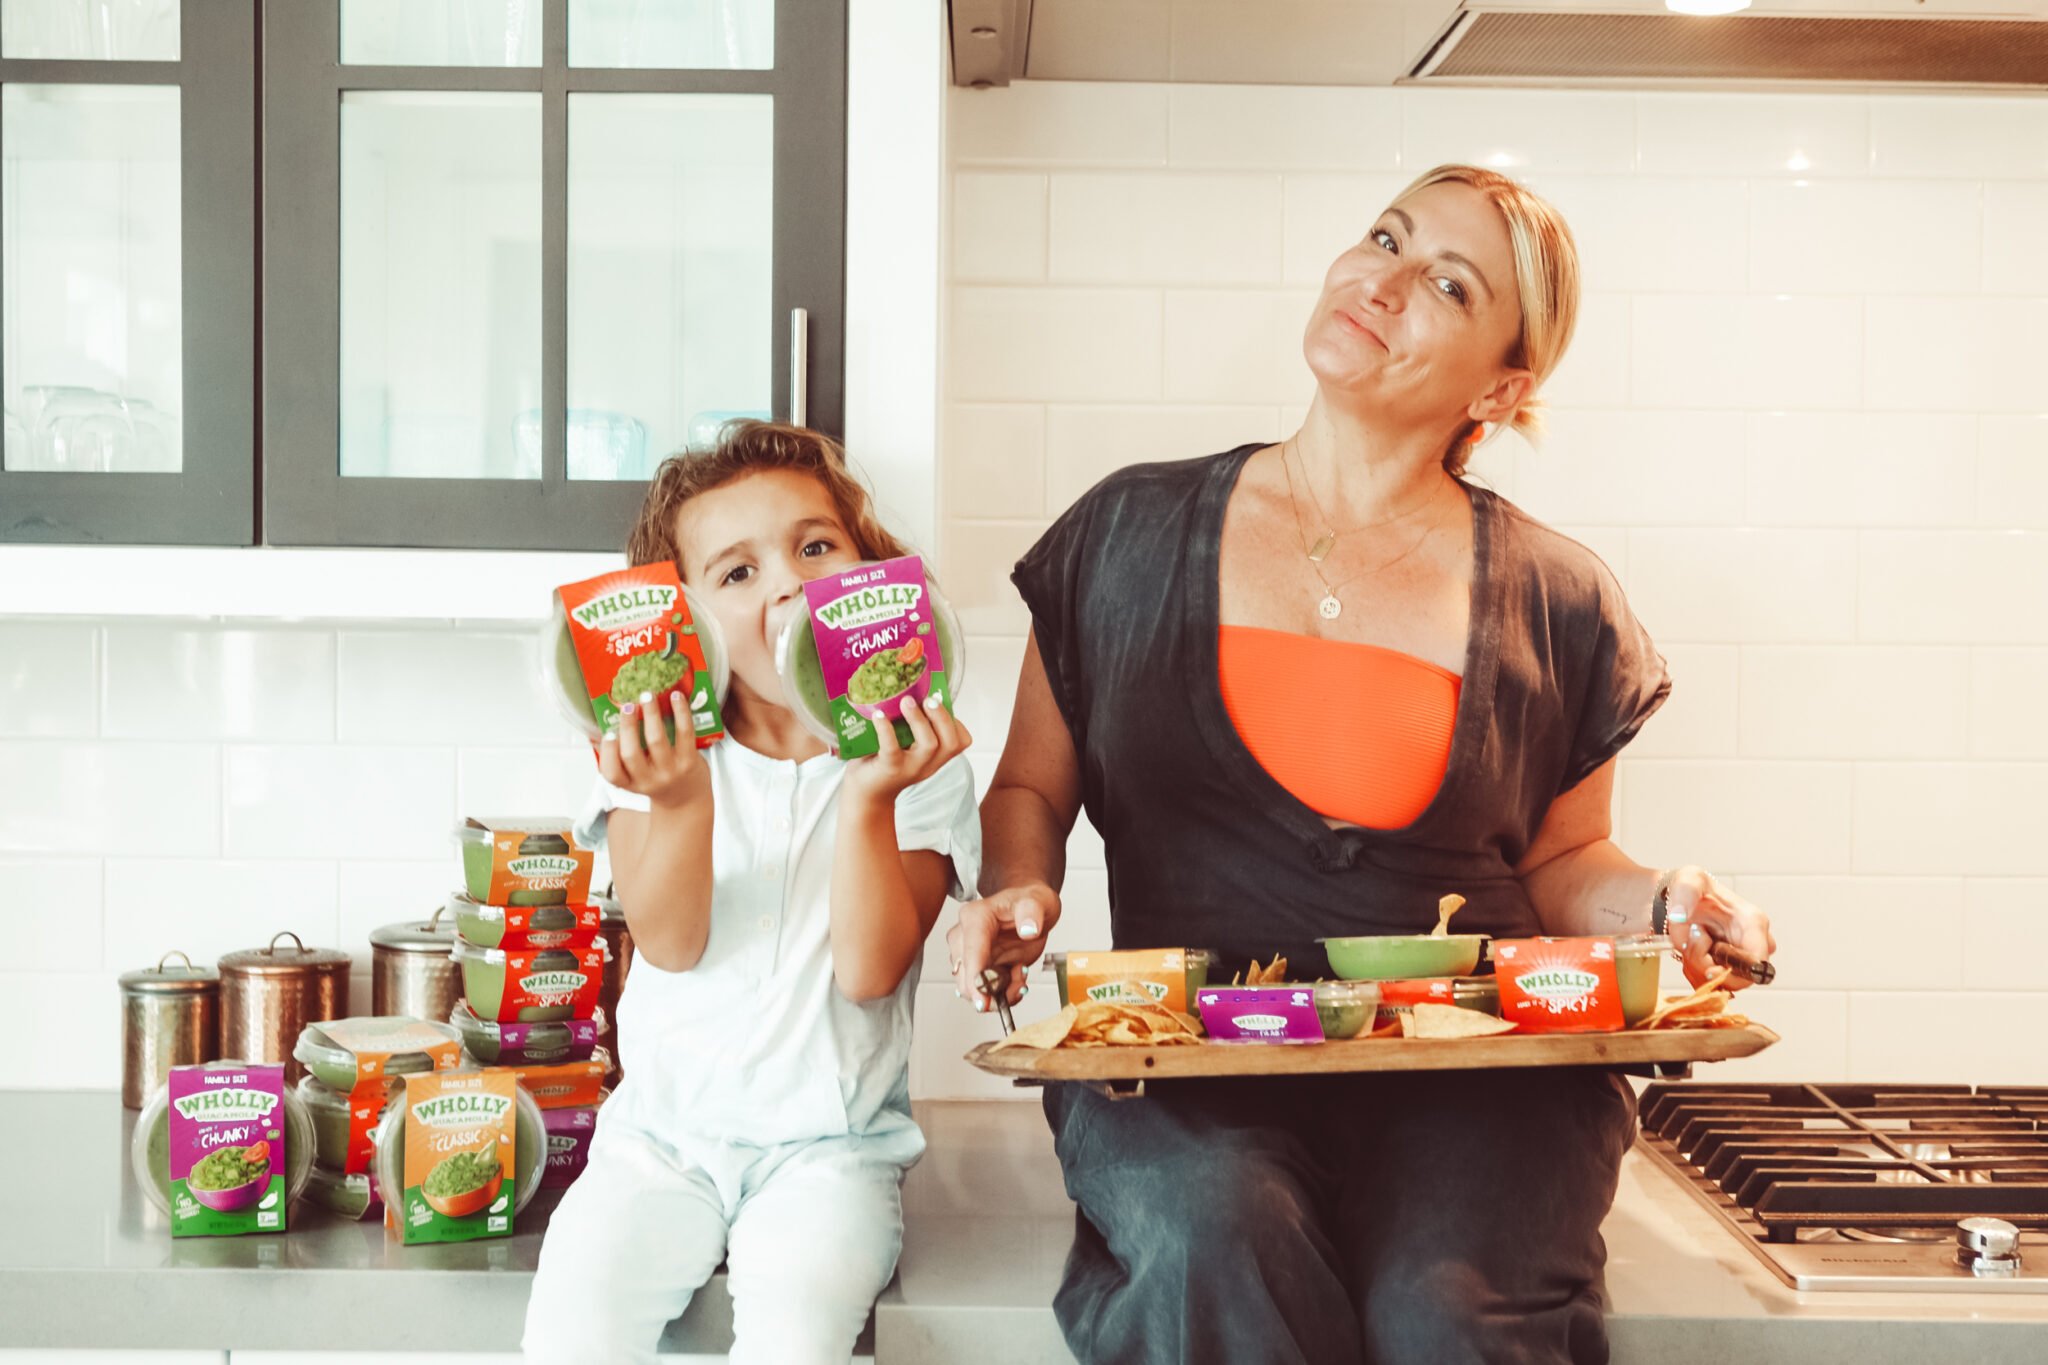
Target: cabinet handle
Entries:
(799, 366)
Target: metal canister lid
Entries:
(164, 979)
(297, 960)
(416, 936)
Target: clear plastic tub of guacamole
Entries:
(1346, 1007)
(547, 839)
(561, 675)
(530, 1149)
(1638, 958)
(1480, 994)
(350, 1196)
(336, 1065)
(149, 1151)
(540, 926)
(803, 674)
(548, 986)
(496, 1044)
(330, 1110)
(1199, 961)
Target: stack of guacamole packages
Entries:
(533, 955)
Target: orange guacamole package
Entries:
(1145, 976)
(461, 1164)
(1558, 985)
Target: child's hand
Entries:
(636, 754)
(937, 738)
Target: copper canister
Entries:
(267, 995)
(170, 1016)
(413, 970)
(620, 940)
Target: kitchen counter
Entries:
(988, 1225)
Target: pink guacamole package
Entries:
(878, 645)
(227, 1149)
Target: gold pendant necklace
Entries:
(1330, 607)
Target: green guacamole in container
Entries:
(1638, 958)
(149, 1152)
(1346, 1007)
(529, 1141)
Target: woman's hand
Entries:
(638, 756)
(1005, 931)
(1701, 912)
(937, 737)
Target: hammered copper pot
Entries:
(268, 995)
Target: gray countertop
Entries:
(987, 1227)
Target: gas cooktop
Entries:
(1867, 1187)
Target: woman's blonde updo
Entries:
(1546, 288)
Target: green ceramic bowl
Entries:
(149, 1153)
(803, 676)
(1390, 957)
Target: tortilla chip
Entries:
(1446, 906)
(1708, 999)
(1046, 1033)
(1428, 1020)
(1274, 973)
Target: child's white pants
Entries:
(810, 1233)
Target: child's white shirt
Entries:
(756, 1045)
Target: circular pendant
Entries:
(1329, 606)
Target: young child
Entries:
(779, 900)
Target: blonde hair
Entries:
(749, 447)
(1546, 288)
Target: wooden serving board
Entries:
(1664, 1047)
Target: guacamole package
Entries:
(343, 1121)
(869, 638)
(1261, 1014)
(456, 1137)
(569, 1134)
(1480, 994)
(351, 1196)
(1558, 985)
(535, 926)
(564, 1085)
(228, 1141)
(1145, 976)
(636, 632)
(496, 1044)
(149, 1151)
(523, 862)
(532, 986)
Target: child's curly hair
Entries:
(748, 447)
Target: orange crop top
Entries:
(1356, 732)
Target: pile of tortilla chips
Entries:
(1427, 1020)
(1706, 1007)
(1108, 1024)
(1274, 973)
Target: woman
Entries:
(1303, 690)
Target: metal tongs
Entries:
(992, 987)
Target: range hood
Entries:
(1997, 45)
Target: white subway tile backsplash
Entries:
(998, 227)
(1746, 351)
(984, 704)
(1048, 345)
(510, 782)
(215, 682)
(49, 679)
(1595, 370)
(2005, 934)
(1634, 468)
(207, 906)
(1519, 132)
(1953, 587)
(1279, 128)
(1155, 227)
(1655, 232)
(351, 801)
(2015, 225)
(1230, 346)
(1951, 1038)
(2012, 472)
(1084, 445)
(386, 674)
(1813, 1028)
(64, 797)
(1844, 933)
(80, 1008)
(1765, 135)
(1739, 586)
(1861, 469)
(2007, 691)
(1959, 136)
(1327, 215)
(1855, 701)
(1739, 817)
(1955, 819)
(1956, 354)
(993, 461)
(1864, 237)
(1698, 720)
(1083, 123)
(51, 912)
(377, 892)
(978, 556)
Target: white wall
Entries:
(1805, 419)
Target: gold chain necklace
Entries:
(1330, 607)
